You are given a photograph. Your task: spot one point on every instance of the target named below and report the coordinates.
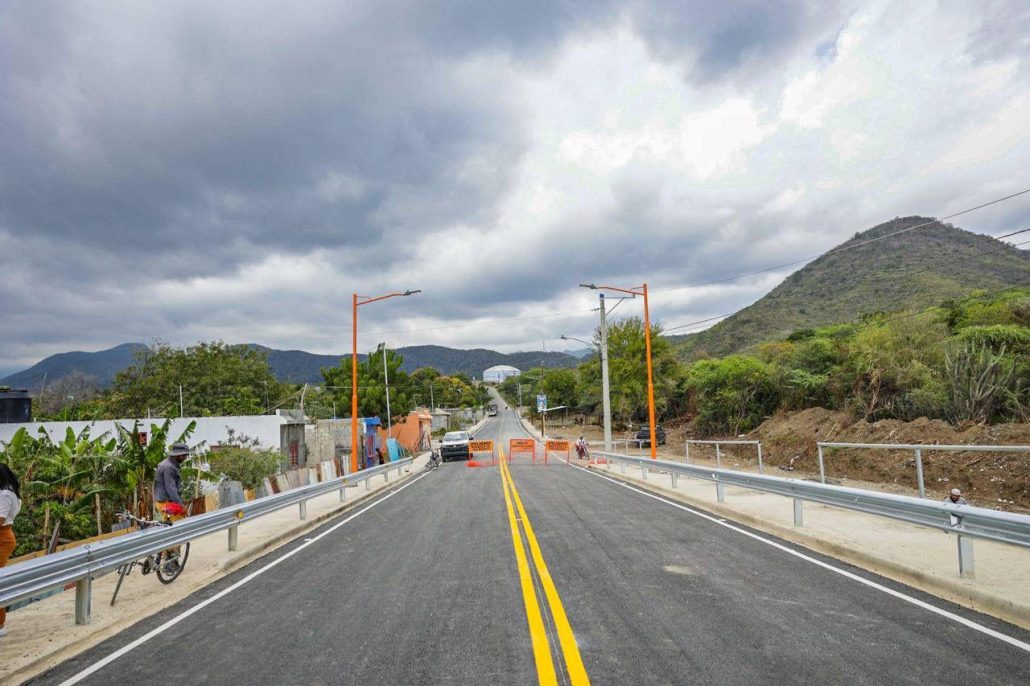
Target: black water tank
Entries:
(15, 406)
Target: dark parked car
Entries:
(645, 435)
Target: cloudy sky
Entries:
(187, 171)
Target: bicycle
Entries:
(166, 564)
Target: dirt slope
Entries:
(998, 480)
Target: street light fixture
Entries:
(356, 301)
(640, 290)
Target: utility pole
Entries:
(268, 406)
(386, 380)
(432, 401)
(180, 401)
(605, 390)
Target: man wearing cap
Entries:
(955, 498)
(167, 481)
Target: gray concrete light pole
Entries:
(605, 391)
(386, 381)
(606, 400)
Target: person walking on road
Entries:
(167, 482)
(955, 498)
(10, 505)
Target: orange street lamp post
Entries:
(359, 300)
(641, 290)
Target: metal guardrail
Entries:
(639, 442)
(918, 449)
(718, 451)
(79, 565)
(966, 521)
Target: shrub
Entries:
(246, 465)
(734, 393)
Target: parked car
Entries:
(644, 435)
(455, 446)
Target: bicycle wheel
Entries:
(170, 568)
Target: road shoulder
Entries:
(43, 635)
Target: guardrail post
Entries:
(234, 537)
(672, 476)
(686, 458)
(303, 509)
(919, 473)
(718, 456)
(966, 568)
(720, 492)
(343, 491)
(368, 486)
(822, 468)
(643, 472)
(622, 464)
(761, 467)
(83, 591)
(799, 512)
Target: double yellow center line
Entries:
(538, 633)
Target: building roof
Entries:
(502, 368)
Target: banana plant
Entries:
(137, 461)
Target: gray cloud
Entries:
(185, 171)
(749, 37)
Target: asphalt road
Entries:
(424, 588)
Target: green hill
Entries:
(913, 270)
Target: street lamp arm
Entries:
(355, 302)
(365, 299)
(632, 291)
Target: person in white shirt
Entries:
(10, 504)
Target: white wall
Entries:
(210, 430)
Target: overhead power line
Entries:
(963, 248)
(844, 247)
(502, 320)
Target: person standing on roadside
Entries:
(168, 481)
(955, 498)
(10, 505)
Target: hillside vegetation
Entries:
(909, 271)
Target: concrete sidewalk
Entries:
(44, 634)
(918, 556)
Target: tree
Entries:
(372, 385)
(215, 378)
(560, 387)
(627, 366)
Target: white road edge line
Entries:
(97, 666)
(854, 577)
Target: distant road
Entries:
(426, 586)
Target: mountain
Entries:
(913, 270)
(101, 365)
(474, 361)
(299, 366)
(296, 366)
